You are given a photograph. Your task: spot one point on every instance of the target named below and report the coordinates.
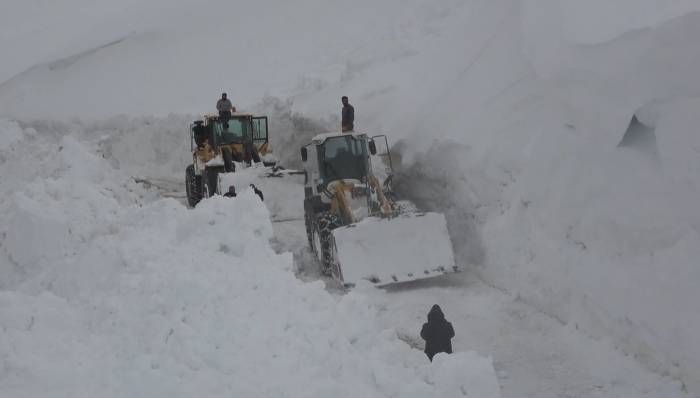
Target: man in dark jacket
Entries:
(347, 122)
(437, 333)
(231, 192)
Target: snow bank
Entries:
(594, 229)
(108, 291)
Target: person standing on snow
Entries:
(437, 333)
(231, 192)
(225, 107)
(347, 122)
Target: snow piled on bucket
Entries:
(110, 291)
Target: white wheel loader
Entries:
(355, 226)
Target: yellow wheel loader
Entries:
(217, 144)
(355, 226)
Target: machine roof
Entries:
(319, 139)
(233, 115)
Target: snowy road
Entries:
(529, 116)
(535, 355)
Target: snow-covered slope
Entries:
(514, 118)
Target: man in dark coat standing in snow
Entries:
(437, 333)
(347, 122)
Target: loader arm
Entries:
(385, 205)
(340, 204)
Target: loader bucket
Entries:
(387, 251)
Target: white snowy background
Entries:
(578, 228)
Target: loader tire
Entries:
(227, 155)
(193, 186)
(322, 240)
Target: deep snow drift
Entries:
(515, 119)
(109, 291)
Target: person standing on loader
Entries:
(225, 107)
(437, 333)
(347, 122)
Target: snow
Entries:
(111, 291)
(508, 116)
(596, 21)
(284, 197)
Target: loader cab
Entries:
(238, 130)
(343, 157)
(337, 156)
(199, 134)
(242, 129)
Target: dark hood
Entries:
(436, 314)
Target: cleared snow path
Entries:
(535, 355)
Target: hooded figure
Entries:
(437, 333)
(231, 192)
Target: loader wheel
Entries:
(227, 155)
(322, 240)
(193, 186)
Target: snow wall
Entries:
(558, 136)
